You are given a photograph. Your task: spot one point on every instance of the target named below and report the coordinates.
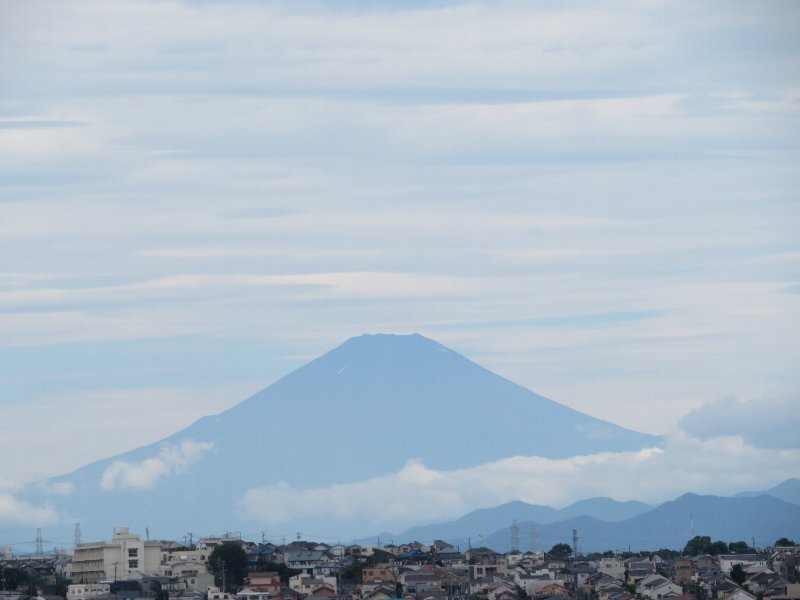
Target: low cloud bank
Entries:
(143, 475)
(417, 494)
(16, 511)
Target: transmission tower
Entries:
(514, 536)
(39, 542)
(575, 543)
(77, 534)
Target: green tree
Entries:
(231, 559)
(785, 542)
(697, 545)
(60, 588)
(14, 577)
(352, 573)
(692, 588)
(739, 547)
(702, 544)
(560, 550)
(737, 574)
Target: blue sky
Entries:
(596, 200)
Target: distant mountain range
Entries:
(359, 411)
(789, 491)
(605, 524)
(362, 411)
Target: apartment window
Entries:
(133, 564)
(133, 552)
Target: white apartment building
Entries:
(126, 557)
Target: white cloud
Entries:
(416, 494)
(145, 474)
(765, 422)
(19, 512)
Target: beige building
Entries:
(126, 557)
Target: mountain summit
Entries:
(360, 411)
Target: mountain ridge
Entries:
(319, 425)
(730, 518)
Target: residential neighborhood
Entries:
(230, 568)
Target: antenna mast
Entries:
(514, 536)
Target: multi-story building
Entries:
(126, 557)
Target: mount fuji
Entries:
(360, 411)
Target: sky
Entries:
(596, 200)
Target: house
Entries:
(305, 560)
(726, 561)
(378, 574)
(767, 583)
(214, 593)
(382, 592)
(417, 582)
(482, 555)
(84, 591)
(487, 569)
(268, 582)
(740, 594)
(306, 585)
(638, 570)
(533, 584)
(581, 572)
(501, 591)
(614, 567)
(553, 590)
(248, 594)
(655, 587)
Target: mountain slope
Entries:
(481, 522)
(361, 410)
(668, 526)
(788, 491)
